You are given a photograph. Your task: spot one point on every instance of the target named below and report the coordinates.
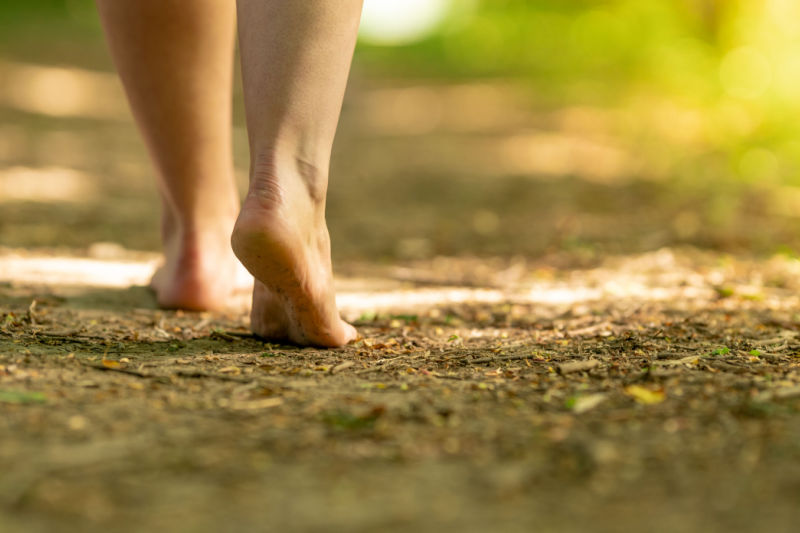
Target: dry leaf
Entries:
(585, 403)
(645, 396)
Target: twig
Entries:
(341, 366)
(589, 329)
(659, 373)
(162, 333)
(224, 335)
(694, 348)
(516, 357)
(728, 367)
(263, 403)
(128, 371)
(31, 314)
(578, 366)
(372, 369)
(445, 376)
(772, 357)
(67, 336)
(165, 379)
(782, 339)
(199, 374)
(676, 362)
(241, 335)
(202, 324)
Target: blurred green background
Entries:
(471, 127)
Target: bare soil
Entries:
(528, 362)
(603, 413)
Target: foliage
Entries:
(722, 74)
(709, 85)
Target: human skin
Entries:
(175, 61)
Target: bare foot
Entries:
(282, 239)
(200, 272)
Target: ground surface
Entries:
(657, 391)
(545, 346)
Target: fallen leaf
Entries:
(644, 395)
(581, 404)
(263, 403)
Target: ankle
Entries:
(276, 173)
(188, 226)
(194, 241)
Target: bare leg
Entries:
(175, 59)
(295, 60)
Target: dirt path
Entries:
(576, 391)
(658, 391)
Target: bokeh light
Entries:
(389, 22)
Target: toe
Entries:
(350, 333)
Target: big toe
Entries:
(338, 335)
(350, 332)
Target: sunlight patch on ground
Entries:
(555, 154)
(536, 155)
(681, 279)
(74, 271)
(465, 119)
(458, 108)
(48, 184)
(639, 280)
(62, 92)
